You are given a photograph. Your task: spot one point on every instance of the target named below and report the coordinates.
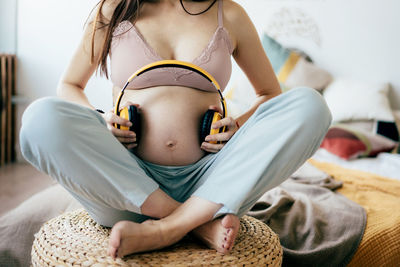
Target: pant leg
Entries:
(72, 144)
(280, 136)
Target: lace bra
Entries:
(130, 52)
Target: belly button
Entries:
(171, 144)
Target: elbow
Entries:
(269, 94)
(64, 88)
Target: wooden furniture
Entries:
(7, 109)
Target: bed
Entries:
(380, 196)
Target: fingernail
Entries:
(207, 138)
(130, 124)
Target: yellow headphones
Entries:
(131, 113)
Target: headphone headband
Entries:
(172, 64)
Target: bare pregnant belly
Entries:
(170, 118)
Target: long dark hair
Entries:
(125, 10)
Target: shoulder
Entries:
(234, 13)
(237, 21)
(107, 9)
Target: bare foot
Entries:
(219, 234)
(129, 237)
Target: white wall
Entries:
(354, 38)
(8, 26)
(48, 33)
(358, 39)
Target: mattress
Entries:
(385, 164)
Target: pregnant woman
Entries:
(155, 186)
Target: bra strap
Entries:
(220, 14)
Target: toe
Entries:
(230, 234)
(120, 253)
(112, 252)
(228, 221)
(223, 249)
(115, 237)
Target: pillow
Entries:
(350, 143)
(355, 100)
(292, 68)
(385, 128)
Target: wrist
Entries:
(237, 124)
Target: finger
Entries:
(228, 121)
(112, 118)
(130, 146)
(126, 140)
(213, 148)
(223, 137)
(115, 119)
(123, 133)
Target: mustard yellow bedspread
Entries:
(380, 196)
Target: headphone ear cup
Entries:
(134, 117)
(209, 118)
(205, 125)
(131, 113)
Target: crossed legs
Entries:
(280, 137)
(176, 220)
(274, 142)
(100, 173)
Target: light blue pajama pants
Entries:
(72, 144)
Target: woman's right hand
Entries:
(126, 137)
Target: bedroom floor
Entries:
(19, 181)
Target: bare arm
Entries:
(79, 70)
(251, 58)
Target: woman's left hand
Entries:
(220, 138)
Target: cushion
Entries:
(384, 128)
(292, 68)
(351, 143)
(357, 100)
(75, 239)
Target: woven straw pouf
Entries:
(75, 239)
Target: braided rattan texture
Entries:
(75, 239)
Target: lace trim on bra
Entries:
(204, 57)
(122, 28)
